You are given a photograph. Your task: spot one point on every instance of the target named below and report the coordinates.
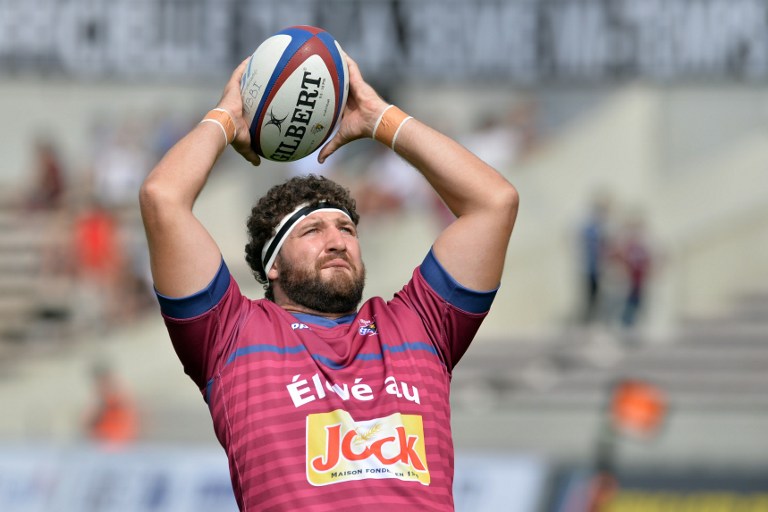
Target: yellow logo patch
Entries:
(340, 449)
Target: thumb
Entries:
(330, 147)
(244, 148)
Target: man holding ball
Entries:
(323, 404)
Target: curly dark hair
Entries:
(278, 202)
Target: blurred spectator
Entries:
(120, 165)
(52, 281)
(97, 254)
(388, 184)
(523, 118)
(49, 185)
(111, 266)
(165, 131)
(113, 419)
(634, 254)
(98, 264)
(138, 292)
(505, 139)
(595, 248)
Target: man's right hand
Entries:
(232, 102)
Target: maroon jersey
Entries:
(322, 415)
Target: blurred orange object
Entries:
(114, 420)
(96, 243)
(638, 407)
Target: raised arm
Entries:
(184, 257)
(473, 248)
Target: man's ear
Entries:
(274, 272)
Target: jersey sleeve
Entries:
(451, 313)
(202, 326)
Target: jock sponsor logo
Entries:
(340, 449)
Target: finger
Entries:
(354, 70)
(237, 75)
(246, 151)
(252, 157)
(240, 69)
(330, 148)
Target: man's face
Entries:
(319, 266)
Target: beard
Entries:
(340, 293)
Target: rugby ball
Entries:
(294, 91)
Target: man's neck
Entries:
(298, 309)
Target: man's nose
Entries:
(335, 240)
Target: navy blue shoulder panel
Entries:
(197, 303)
(448, 288)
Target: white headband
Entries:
(286, 225)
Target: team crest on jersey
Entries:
(367, 328)
(340, 449)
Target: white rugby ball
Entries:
(294, 91)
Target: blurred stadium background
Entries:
(656, 108)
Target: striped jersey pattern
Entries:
(320, 415)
